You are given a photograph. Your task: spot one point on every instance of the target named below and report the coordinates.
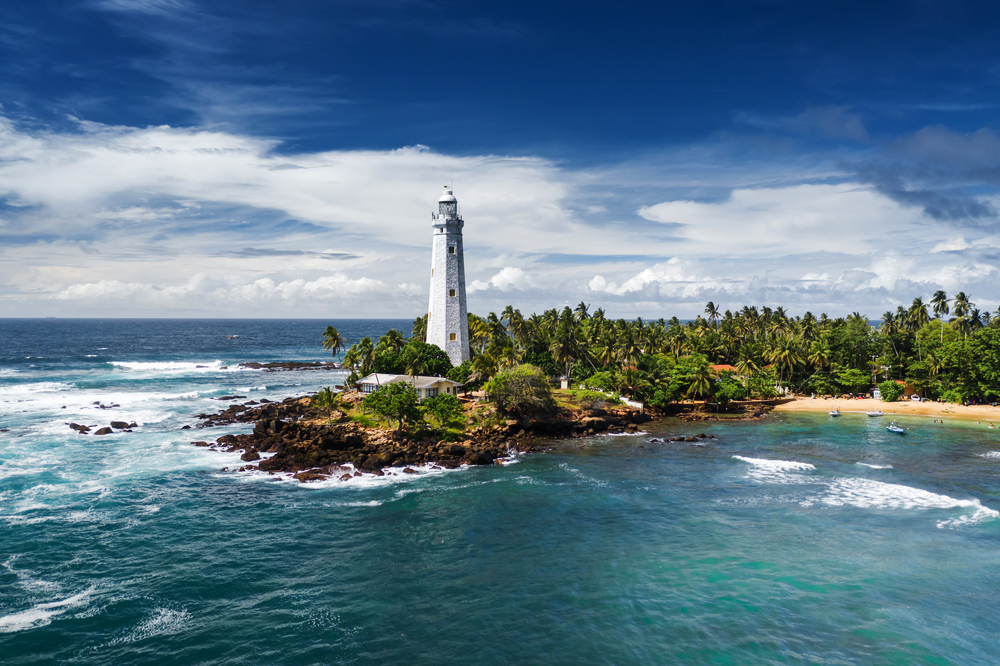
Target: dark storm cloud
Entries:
(946, 173)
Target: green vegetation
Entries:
(398, 402)
(890, 390)
(326, 399)
(521, 390)
(768, 352)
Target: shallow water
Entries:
(795, 539)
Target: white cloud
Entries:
(952, 244)
(844, 218)
(509, 277)
(334, 286)
(170, 222)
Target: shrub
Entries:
(853, 380)
(327, 400)
(601, 380)
(445, 407)
(890, 390)
(397, 401)
(460, 373)
(953, 396)
(523, 389)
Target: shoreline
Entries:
(945, 411)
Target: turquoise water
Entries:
(796, 539)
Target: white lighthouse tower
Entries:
(447, 315)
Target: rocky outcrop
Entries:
(291, 365)
(296, 438)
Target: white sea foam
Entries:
(169, 366)
(776, 471)
(874, 466)
(990, 454)
(868, 494)
(40, 615)
(23, 391)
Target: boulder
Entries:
(104, 431)
(119, 425)
(250, 456)
(595, 423)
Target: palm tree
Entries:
(916, 319)
(701, 382)
(393, 340)
(889, 328)
(581, 312)
(786, 354)
(939, 302)
(961, 309)
(819, 354)
(366, 354)
(713, 313)
(420, 328)
(333, 341)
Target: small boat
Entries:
(233, 337)
(878, 412)
(894, 427)
(834, 412)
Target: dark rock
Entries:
(200, 443)
(690, 439)
(104, 431)
(309, 476)
(250, 456)
(409, 470)
(119, 425)
(187, 427)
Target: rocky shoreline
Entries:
(313, 445)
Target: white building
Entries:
(447, 314)
(427, 387)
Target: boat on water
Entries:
(233, 337)
(894, 427)
(834, 412)
(877, 412)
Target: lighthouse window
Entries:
(451, 292)
(451, 249)
(452, 337)
(432, 272)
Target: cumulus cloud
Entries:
(508, 278)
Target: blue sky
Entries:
(187, 158)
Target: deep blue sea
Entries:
(795, 539)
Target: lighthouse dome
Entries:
(448, 196)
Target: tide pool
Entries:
(794, 539)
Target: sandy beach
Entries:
(983, 413)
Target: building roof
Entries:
(416, 381)
(723, 367)
(448, 196)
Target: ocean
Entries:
(793, 539)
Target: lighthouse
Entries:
(447, 314)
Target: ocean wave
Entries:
(40, 615)
(874, 466)
(776, 471)
(868, 494)
(30, 390)
(169, 366)
(989, 454)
